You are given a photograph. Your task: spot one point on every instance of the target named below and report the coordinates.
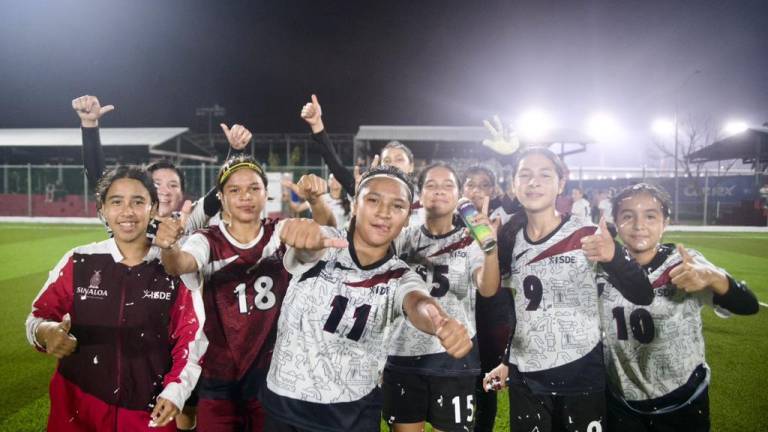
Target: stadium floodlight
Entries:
(735, 127)
(663, 127)
(603, 127)
(534, 124)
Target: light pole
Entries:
(212, 111)
(677, 105)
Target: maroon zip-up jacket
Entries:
(139, 336)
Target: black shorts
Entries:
(693, 417)
(285, 414)
(447, 403)
(528, 411)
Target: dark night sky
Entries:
(426, 62)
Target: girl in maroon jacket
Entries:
(127, 335)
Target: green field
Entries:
(736, 348)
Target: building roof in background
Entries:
(454, 134)
(53, 137)
(751, 146)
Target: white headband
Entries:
(388, 176)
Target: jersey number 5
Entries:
(438, 282)
(264, 298)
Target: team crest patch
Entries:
(93, 291)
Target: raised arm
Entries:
(89, 110)
(238, 137)
(312, 113)
(311, 189)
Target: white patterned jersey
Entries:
(556, 299)
(652, 350)
(336, 323)
(447, 264)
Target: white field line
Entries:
(716, 228)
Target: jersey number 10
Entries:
(640, 322)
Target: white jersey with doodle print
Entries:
(336, 323)
(447, 264)
(652, 350)
(556, 297)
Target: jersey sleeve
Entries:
(54, 300)
(198, 246)
(628, 277)
(189, 345)
(274, 242)
(198, 217)
(410, 281)
(93, 154)
(339, 171)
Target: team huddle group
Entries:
(207, 316)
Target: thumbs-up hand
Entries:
(503, 140)
(689, 275)
(90, 110)
(306, 234)
(452, 334)
(57, 340)
(172, 228)
(599, 247)
(310, 187)
(238, 137)
(312, 113)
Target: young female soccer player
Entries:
(555, 362)
(335, 326)
(128, 336)
(492, 314)
(240, 261)
(422, 383)
(658, 377)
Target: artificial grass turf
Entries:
(736, 347)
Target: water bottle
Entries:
(481, 232)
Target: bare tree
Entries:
(694, 134)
